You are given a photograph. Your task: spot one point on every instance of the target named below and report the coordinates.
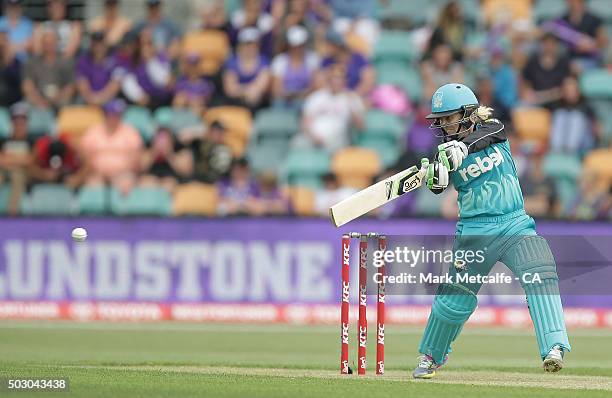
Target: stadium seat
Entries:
(176, 119)
(141, 119)
(302, 201)
(383, 125)
(212, 46)
(142, 202)
(387, 152)
(238, 122)
(562, 165)
(599, 162)
(545, 10)
(357, 44)
(602, 110)
(304, 167)
(394, 46)
(5, 123)
(5, 193)
(532, 124)
(356, 167)
(601, 8)
(517, 10)
(267, 155)
(418, 12)
(195, 199)
(41, 122)
(74, 120)
(93, 200)
(596, 83)
(405, 77)
(276, 122)
(48, 199)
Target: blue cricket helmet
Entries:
(451, 98)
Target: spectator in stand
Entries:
(330, 112)
(98, 78)
(112, 23)
(440, 69)
(583, 32)
(543, 75)
(246, 75)
(593, 200)
(450, 29)
(504, 79)
(10, 73)
(55, 161)
(68, 32)
(486, 96)
(112, 150)
(293, 71)
(539, 191)
(192, 90)
(574, 124)
(164, 163)
(19, 28)
(211, 157)
(164, 34)
(272, 201)
(252, 15)
(356, 17)
(331, 194)
(147, 73)
(16, 156)
(213, 16)
(48, 80)
(239, 194)
(360, 75)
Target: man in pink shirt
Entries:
(112, 150)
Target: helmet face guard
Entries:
(465, 122)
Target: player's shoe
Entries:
(426, 369)
(554, 360)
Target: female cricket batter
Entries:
(476, 155)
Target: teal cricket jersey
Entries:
(487, 180)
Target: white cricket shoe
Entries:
(554, 360)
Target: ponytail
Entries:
(481, 114)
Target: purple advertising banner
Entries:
(205, 260)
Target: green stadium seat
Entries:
(49, 199)
(394, 46)
(601, 8)
(419, 12)
(428, 204)
(596, 83)
(142, 202)
(41, 122)
(382, 124)
(176, 119)
(562, 165)
(5, 193)
(268, 155)
(276, 122)
(387, 152)
(93, 200)
(141, 119)
(405, 77)
(545, 10)
(602, 110)
(5, 123)
(304, 167)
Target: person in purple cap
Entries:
(148, 77)
(98, 77)
(112, 150)
(19, 28)
(246, 75)
(192, 90)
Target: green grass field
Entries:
(182, 360)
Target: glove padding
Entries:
(452, 153)
(437, 175)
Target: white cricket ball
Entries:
(79, 234)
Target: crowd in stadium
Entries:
(273, 107)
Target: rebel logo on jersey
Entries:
(482, 165)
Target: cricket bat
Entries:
(378, 194)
